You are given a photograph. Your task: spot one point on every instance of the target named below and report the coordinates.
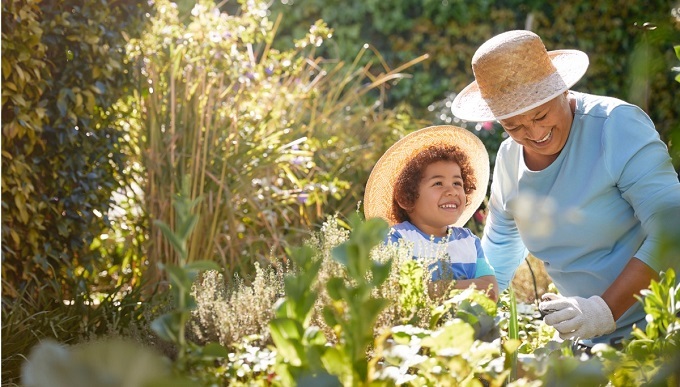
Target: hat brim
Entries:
(380, 185)
(469, 105)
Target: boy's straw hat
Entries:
(380, 185)
(513, 74)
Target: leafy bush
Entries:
(64, 69)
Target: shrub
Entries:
(64, 69)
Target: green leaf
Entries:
(323, 379)
(282, 308)
(513, 324)
(287, 328)
(314, 336)
(178, 277)
(177, 243)
(167, 326)
(184, 229)
(286, 334)
(341, 253)
(380, 272)
(329, 317)
(336, 288)
(203, 265)
(455, 334)
(510, 346)
(371, 309)
(215, 350)
(336, 361)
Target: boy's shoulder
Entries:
(406, 229)
(404, 226)
(461, 233)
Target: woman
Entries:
(580, 184)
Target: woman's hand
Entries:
(577, 317)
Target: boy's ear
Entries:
(403, 207)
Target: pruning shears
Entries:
(545, 311)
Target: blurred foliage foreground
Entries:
(338, 322)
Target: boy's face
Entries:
(441, 198)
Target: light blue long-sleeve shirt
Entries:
(589, 212)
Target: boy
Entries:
(427, 186)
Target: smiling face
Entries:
(441, 198)
(542, 131)
(425, 189)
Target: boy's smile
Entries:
(441, 198)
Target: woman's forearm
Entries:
(620, 295)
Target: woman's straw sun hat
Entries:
(513, 74)
(380, 185)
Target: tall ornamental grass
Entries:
(272, 140)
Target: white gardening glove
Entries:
(577, 317)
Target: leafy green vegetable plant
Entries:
(304, 353)
(354, 311)
(652, 355)
(300, 345)
(171, 326)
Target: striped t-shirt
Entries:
(458, 255)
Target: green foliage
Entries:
(25, 75)
(674, 133)
(38, 317)
(455, 352)
(513, 334)
(62, 154)
(472, 307)
(305, 356)
(271, 138)
(171, 326)
(354, 311)
(652, 355)
(677, 69)
(111, 362)
(62, 157)
(449, 356)
(300, 345)
(412, 295)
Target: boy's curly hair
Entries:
(406, 186)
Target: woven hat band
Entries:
(528, 96)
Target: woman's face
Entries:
(542, 131)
